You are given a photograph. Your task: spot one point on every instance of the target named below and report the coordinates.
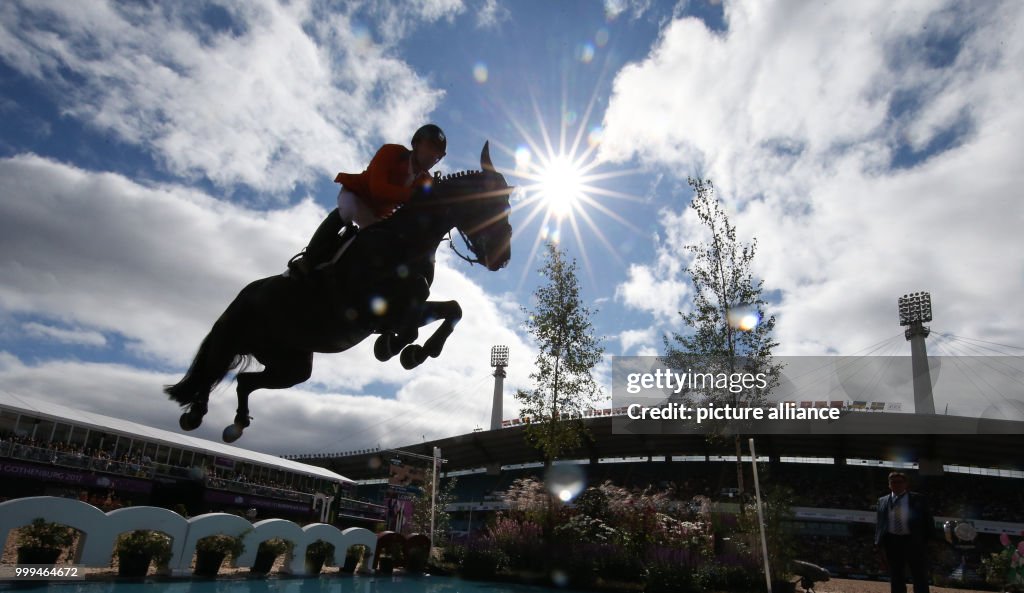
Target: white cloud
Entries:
(286, 94)
(661, 287)
(799, 115)
(642, 338)
(636, 8)
(156, 264)
(491, 14)
(65, 336)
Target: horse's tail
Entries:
(215, 358)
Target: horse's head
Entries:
(484, 211)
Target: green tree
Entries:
(568, 351)
(421, 507)
(729, 330)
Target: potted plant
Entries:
(353, 556)
(137, 549)
(268, 552)
(211, 551)
(1005, 568)
(417, 553)
(390, 557)
(42, 542)
(316, 555)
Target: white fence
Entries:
(100, 531)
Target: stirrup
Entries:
(345, 238)
(298, 265)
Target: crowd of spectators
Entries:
(105, 459)
(226, 479)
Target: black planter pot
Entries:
(32, 555)
(132, 564)
(264, 562)
(208, 563)
(314, 564)
(386, 565)
(783, 587)
(416, 560)
(350, 564)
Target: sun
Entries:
(561, 185)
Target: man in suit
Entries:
(902, 530)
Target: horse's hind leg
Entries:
(414, 355)
(282, 370)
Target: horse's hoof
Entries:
(232, 433)
(189, 422)
(382, 347)
(413, 356)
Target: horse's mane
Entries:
(456, 176)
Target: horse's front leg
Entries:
(406, 328)
(414, 355)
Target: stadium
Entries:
(971, 469)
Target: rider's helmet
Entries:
(433, 134)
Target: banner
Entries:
(15, 469)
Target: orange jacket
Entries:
(387, 182)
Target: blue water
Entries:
(333, 584)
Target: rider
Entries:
(392, 177)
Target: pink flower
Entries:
(1004, 539)
(1020, 548)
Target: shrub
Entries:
(43, 534)
(730, 573)
(319, 550)
(615, 563)
(671, 571)
(586, 530)
(481, 561)
(222, 544)
(1006, 567)
(275, 546)
(518, 542)
(146, 543)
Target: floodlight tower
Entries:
(916, 310)
(499, 360)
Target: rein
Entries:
(465, 239)
(459, 175)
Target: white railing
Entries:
(100, 531)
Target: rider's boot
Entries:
(323, 240)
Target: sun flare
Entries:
(561, 184)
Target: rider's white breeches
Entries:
(352, 209)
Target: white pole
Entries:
(433, 497)
(760, 518)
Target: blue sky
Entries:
(154, 158)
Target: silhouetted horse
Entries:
(379, 285)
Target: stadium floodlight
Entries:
(915, 307)
(916, 310)
(499, 356)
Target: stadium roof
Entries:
(50, 411)
(909, 440)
